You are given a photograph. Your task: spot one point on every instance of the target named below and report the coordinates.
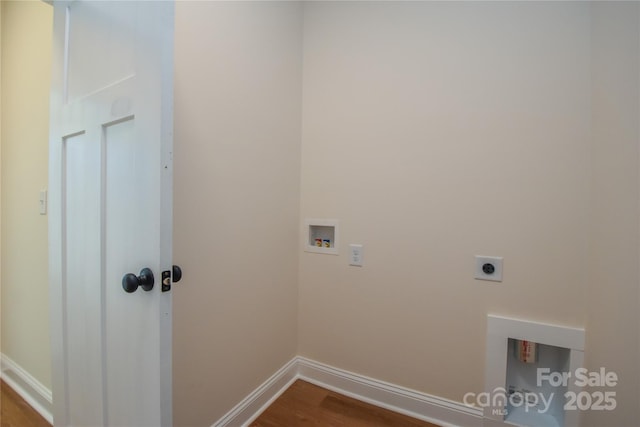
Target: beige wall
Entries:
(237, 161)
(613, 320)
(26, 61)
(435, 132)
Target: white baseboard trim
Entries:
(437, 410)
(30, 389)
(255, 403)
(444, 412)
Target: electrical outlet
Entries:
(489, 268)
(355, 255)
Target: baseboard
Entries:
(30, 389)
(399, 399)
(255, 403)
(415, 404)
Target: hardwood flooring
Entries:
(15, 412)
(305, 404)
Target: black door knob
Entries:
(131, 282)
(176, 274)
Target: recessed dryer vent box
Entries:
(524, 360)
(321, 236)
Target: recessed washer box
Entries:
(321, 236)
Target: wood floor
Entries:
(305, 404)
(15, 412)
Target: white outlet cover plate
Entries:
(355, 255)
(496, 261)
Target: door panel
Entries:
(96, 61)
(81, 170)
(131, 243)
(110, 211)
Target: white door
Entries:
(110, 212)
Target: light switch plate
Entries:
(43, 202)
